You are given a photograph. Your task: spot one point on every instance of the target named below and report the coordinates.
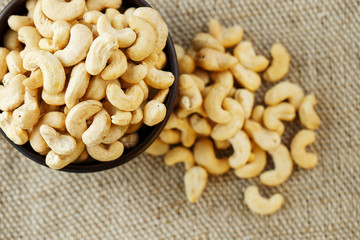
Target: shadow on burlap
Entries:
(145, 199)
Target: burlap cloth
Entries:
(145, 199)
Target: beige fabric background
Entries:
(144, 199)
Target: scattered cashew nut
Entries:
(180, 154)
(16, 134)
(308, 116)
(195, 180)
(283, 91)
(298, 149)
(280, 63)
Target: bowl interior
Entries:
(146, 134)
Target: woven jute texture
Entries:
(145, 199)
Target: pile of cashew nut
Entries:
(216, 110)
(80, 78)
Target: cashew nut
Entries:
(190, 94)
(180, 154)
(16, 22)
(116, 132)
(158, 148)
(307, 114)
(60, 144)
(11, 41)
(298, 149)
(137, 115)
(254, 167)
(161, 95)
(213, 60)
(126, 101)
(229, 37)
(118, 117)
(224, 144)
(130, 140)
(280, 63)
(205, 40)
(188, 135)
(83, 157)
(246, 99)
(161, 61)
(184, 113)
(186, 63)
(78, 83)
(283, 167)
(117, 66)
(261, 205)
(274, 114)
(105, 153)
(204, 155)
(134, 73)
(267, 140)
(282, 91)
(159, 79)
(30, 37)
(13, 132)
(57, 99)
(63, 10)
(170, 136)
(60, 39)
(118, 20)
(15, 63)
(42, 23)
(98, 129)
(154, 112)
(81, 37)
(45, 108)
(247, 57)
(76, 118)
(3, 66)
(100, 5)
(27, 115)
(242, 149)
(195, 180)
(30, 6)
(200, 125)
(92, 16)
(97, 88)
(56, 161)
(257, 114)
(246, 78)
(12, 92)
(203, 75)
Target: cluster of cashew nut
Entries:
(216, 111)
(80, 78)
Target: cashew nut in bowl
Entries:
(92, 16)
(130, 140)
(11, 41)
(162, 60)
(78, 83)
(246, 78)
(105, 153)
(100, 5)
(246, 99)
(16, 22)
(253, 168)
(213, 60)
(307, 114)
(264, 138)
(27, 115)
(63, 10)
(57, 99)
(242, 149)
(154, 112)
(180, 154)
(229, 37)
(280, 63)
(100, 51)
(117, 66)
(261, 205)
(204, 155)
(59, 143)
(118, 117)
(200, 125)
(129, 100)
(16, 134)
(190, 95)
(205, 40)
(247, 57)
(195, 180)
(97, 88)
(116, 132)
(158, 148)
(15, 63)
(257, 114)
(56, 161)
(98, 129)
(12, 92)
(283, 167)
(161, 95)
(3, 67)
(137, 115)
(298, 149)
(42, 23)
(30, 37)
(82, 158)
(30, 6)
(188, 135)
(159, 79)
(76, 118)
(170, 136)
(60, 39)
(113, 15)
(284, 91)
(274, 114)
(129, 13)
(45, 108)
(81, 37)
(134, 73)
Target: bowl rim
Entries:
(134, 152)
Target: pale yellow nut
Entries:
(298, 149)
(116, 132)
(63, 10)
(137, 115)
(224, 78)
(126, 101)
(118, 20)
(117, 66)
(261, 205)
(247, 57)
(57, 99)
(78, 83)
(280, 63)
(180, 154)
(11, 41)
(195, 180)
(170, 136)
(82, 158)
(3, 66)
(205, 40)
(81, 38)
(45, 108)
(253, 168)
(56, 161)
(246, 99)
(16, 22)
(27, 115)
(200, 125)
(198, 82)
(274, 114)
(246, 78)
(134, 73)
(284, 91)
(158, 148)
(213, 60)
(204, 155)
(105, 153)
(188, 135)
(190, 95)
(161, 61)
(16, 134)
(130, 140)
(51, 68)
(76, 118)
(35, 80)
(283, 167)
(203, 75)
(180, 51)
(100, 5)
(30, 37)
(186, 64)
(30, 6)
(97, 88)
(242, 149)
(154, 113)
(161, 95)
(60, 39)
(229, 37)
(257, 114)
(223, 144)
(15, 63)
(11, 92)
(308, 117)
(118, 117)
(159, 79)
(42, 23)
(60, 143)
(264, 138)
(184, 113)
(92, 17)
(98, 129)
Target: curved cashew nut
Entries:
(16, 22)
(56, 161)
(204, 155)
(11, 41)
(130, 140)
(283, 167)
(195, 180)
(188, 135)
(51, 68)
(247, 57)
(78, 83)
(30, 37)
(161, 95)
(184, 113)
(27, 115)
(83, 157)
(63, 10)
(100, 5)
(190, 94)
(298, 149)
(154, 112)
(253, 168)
(186, 64)
(3, 67)
(246, 78)
(257, 114)
(57, 99)
(229, 37)
(100, 51)
(161, 61)
(16, 134)
(98, 129)
(15, 63)
(224, 131)
(116, 132)
(282, 91)
(274, 114)
(158, 148)
(170, 136)
(76, 118)
(280, 64)
(213, 60)
(118, 20)
(224, 144)
(45, 108)
(12, 92)
(203, 75)
(30, 6)
(159, 79)
(246, 99)
(134, 73)
(92, 16)
(118, 117)
(105, 153)
(180, 154)
(126, 101)
(205, 40)
(60, 39)
(53, 119)
(97, 88)
(60, 144)
(117, 66)
(264, 138)
(307, 114)
(200, 125)
(261, 205)
(42, 23)
(242, 149)
(81, 38)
